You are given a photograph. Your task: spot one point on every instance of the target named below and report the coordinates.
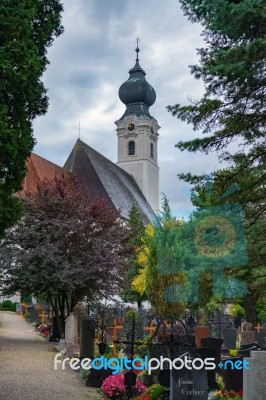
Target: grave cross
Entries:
(163, 334)
(150, 328)
(114, 330)
(258, 327)
(43, 316)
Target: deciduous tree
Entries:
(64, 248)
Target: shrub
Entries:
(114, 387)
(7, 304)
(156, 391)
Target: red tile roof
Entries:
(38, 169)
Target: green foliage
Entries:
(261, 309)
(238, 310)
(136, 231)
(27, 29)
(156, 391)
(8, 305)
(232, 67)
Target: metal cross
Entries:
(137, 41)
(258, 327)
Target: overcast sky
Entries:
(91, 60)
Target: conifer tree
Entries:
(27, 29)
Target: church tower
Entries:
(137, 133)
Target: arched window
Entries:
(131, 148)
(152, 150)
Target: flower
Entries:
(114, 386)
(231, 394)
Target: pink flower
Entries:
(114, 386)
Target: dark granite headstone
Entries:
(204, 353)
(164, 378)
(33, 314)
(96, 377)
(213, 343)
(55, 336)
(87, 335)
(188, 384)
(261, 338)
(233, 378)
(230, 338)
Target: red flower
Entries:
(231, 393)
(240, 393)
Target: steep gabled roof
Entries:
(100, 176)
(38, 169)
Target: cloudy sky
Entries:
(91, 60)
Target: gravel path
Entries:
(26, 366)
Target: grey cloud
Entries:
(91, 60)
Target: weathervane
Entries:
(137, 49)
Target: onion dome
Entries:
(136, 93)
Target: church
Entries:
(134, 179)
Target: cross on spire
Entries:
(137, 49)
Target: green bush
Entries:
(156, 391)
(261, 309)
(7, 305)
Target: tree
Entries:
(232, 67)
(136, 231)
(161, 258)
(64, 248)
(27, 29)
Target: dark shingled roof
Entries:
(100, 176)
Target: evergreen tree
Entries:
(232, 67)
(27, 29)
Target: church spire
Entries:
(136, 93)
(137, 49)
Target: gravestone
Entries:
(55, 336)
(72, 349)
(178, 329)
(19, 308)
(232, 377)
(254, 382)
(204, 353)
(164, 380)
(246, 326)
(261, 338)
(33, 314)
(96, 377)
(87, 335)
(71, 329)
(188, 384)
(230, 338)
(201, 332)
(247, 337)
(213, 343)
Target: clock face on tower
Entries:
(130, 126)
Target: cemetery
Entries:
(112, 333)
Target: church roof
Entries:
(101, 176)
(38, 168)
